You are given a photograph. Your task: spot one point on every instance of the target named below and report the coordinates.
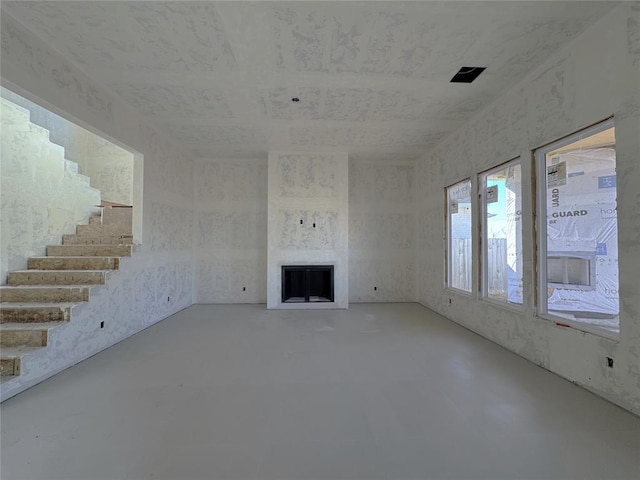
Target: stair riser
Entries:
(95, 221)
(98, 230)
(89, 251)
(31, 338)
(44, 295)
(61, 263)
(39, 315)
(9, 367)
(118, 216)
(97, 239)
(56, 278)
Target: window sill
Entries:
(464, 293)
(514, 307)
(568, 321)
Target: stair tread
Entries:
(36, 270)
(44, 293)
(17, 352)
(56, 277)
(79, 257)
(45, 286)
(76, 239)
(75, 262)
(89, 251)
(119, 237)
(29, 326)
(28, 305)
(94, 245)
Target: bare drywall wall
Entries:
(158, 280)
(308, 220)
(231, 231)
(71, 137)
(596, 76)
(42, 194)
(109, 167)
(381, 232)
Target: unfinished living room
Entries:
(320, 240)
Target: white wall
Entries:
(61, 132)
(314, 188)
(231, 231)
(42, 195)
(158, 280)
(381, 232)
(109, 167)
(596, 76)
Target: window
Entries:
(459, 248)
(578, 244)
(501, 195)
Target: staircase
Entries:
(43, 195)
(42, 298)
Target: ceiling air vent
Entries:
(467, 74)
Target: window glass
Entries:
(502, 234)
(459, 236)
(581, 229)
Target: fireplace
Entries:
(307, 283)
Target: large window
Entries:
(459, 247)
(578, 244)
(501, 195)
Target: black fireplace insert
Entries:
(307, 283)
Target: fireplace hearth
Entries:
(307, 283)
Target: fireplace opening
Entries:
(307, 283)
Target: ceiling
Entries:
(372, 77)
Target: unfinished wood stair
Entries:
(42, 297)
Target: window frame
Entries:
(484, 239)
(448, 240)
(541, 252)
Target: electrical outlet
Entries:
(609, 362)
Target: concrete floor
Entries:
(384, 391)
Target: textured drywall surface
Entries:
(381, 231)
(157, 281)
(109, 167)
(596, 76)
(372, 76)
(308, 220)
(231, 231)
(42, 194)
(71, 137)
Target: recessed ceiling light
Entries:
(467, 74)
(295, 99)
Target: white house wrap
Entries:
(582, 243)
